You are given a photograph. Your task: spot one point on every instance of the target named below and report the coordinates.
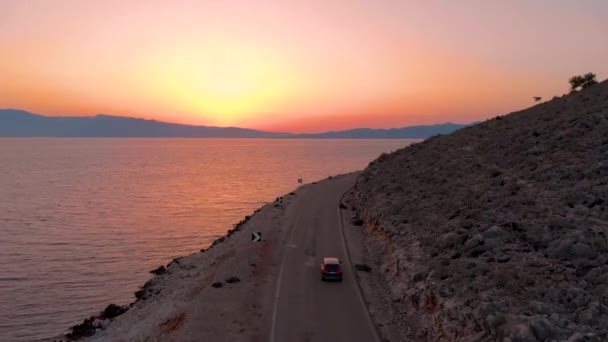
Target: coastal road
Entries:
(305, 308)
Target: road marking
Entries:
(278, 290)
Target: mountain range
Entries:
(19, 123)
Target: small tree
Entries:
(537, 98)
(582, 81)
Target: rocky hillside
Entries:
(498, 232)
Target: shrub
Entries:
(363, 267)
(233, 280)
(582, 81)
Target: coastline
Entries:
(219, 293)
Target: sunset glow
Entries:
(296, 65)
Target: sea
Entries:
(83, 221)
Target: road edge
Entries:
(370, 319)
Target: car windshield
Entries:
(332, 267)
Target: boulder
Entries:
(159, 271)
(113, 310)
(85, 329)
(493, 232)
(542, 329)
(582, 250)
(473, 242)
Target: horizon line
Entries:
(238, 127)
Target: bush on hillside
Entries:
(582, 81)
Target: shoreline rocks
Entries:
(150, 289)
(159, 271)
(90, 325)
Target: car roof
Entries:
(331, 260)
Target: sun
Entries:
(224, 84)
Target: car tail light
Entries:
(324, 270)
(339, 271)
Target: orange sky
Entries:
(295, 65)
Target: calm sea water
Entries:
(82, 221)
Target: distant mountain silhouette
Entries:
(19, 123)
(412, 132)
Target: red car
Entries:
(331, 269)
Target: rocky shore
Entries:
(226, 292)
(499, 231)
(218, 294)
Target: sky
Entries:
(299, 66)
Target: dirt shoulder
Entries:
(385, 311)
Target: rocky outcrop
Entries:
(113, 310)
(159, 271)
(499, 232)
(90, 325)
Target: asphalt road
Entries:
(305, 308)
